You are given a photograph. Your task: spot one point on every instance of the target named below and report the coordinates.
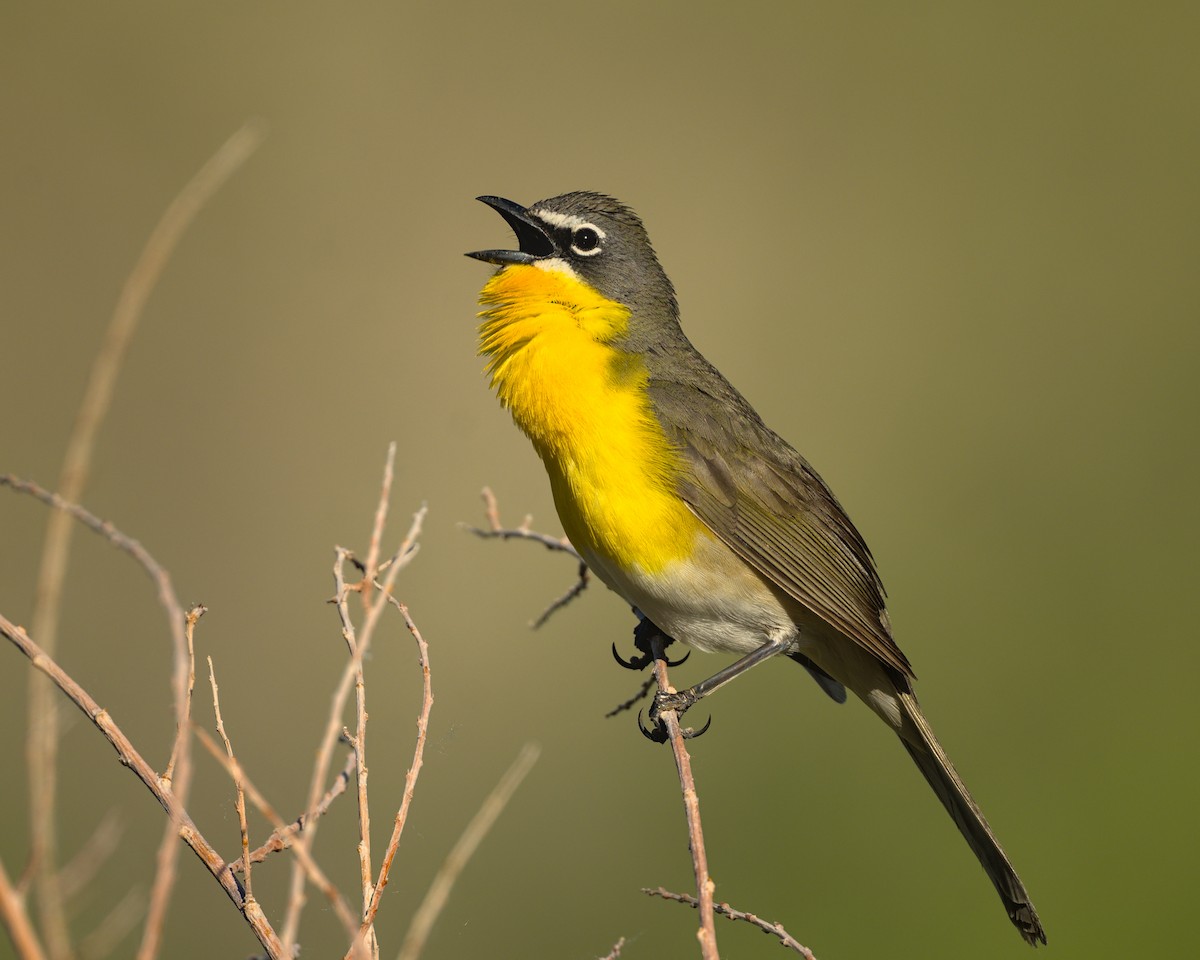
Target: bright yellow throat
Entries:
(548, 337)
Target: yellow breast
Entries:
(549, 337)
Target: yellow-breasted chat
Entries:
(679, 497)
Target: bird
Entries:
(679, 497)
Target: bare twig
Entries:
(316, 876)
(496, 530)
(16, 920)
(43, 723)
(381, 512)
(725, 910)
(305, 837)
(359, 739)
(190, 620)
(235, 770)
(571, 593)
(177, 778)
(615, 951)
(131, 758)
(439, 890)
(160, 891)
(414, 770)
(359, 643)
(629, 704)
(281, 837)
(707, 934)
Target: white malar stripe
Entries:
(556, 265)
(566, 221)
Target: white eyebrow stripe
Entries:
(566, 221)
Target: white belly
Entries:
(712, 601)
(716, 603)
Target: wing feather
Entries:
(764, 500)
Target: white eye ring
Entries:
(586, 240)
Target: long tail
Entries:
(932, 761)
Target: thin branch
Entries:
(359, 740)
(160, 891)
(707, 934)
(177, 778)
(281, 838)
(333, 726)
(725, 910)
(131, 758)
(381, 512)
(235, 770)
(496, 530)
(43, 719)
(366, 938)
(615, 951)
(191, 619)
(16, 920)
(414, 770)
(305, 838)
(571, 593)
(316, 876)
(629, 704)
(439, 890)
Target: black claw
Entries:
(681, 660)
(638, 663)
(656, 734)
(691, 734)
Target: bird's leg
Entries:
(683, 700)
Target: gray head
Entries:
(599, 239)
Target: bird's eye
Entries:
(586, 240)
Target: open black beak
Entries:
(531, 235)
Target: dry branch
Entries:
(316, 876)
(16, 920)
(162, 792)
(725, 910)
(43, 718)
(282, 836)
(615, 951)
(495, 530)
(358, 641)
(177, 622)
(707, 934)
(235, 771)
(410, 778)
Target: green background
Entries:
(948, 250)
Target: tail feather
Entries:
(933, 763)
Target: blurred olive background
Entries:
(948, 250)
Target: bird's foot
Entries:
(642, 635)
(640, 661)
(679, 703)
